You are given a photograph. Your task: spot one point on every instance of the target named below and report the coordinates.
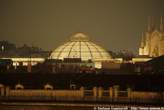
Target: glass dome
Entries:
(80, 46)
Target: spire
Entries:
(161, 24)
(142, 40)
(152, 23)
(149, 24)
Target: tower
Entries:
(152, 43)
(141, 49)
(142, 40)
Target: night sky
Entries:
(115, 24)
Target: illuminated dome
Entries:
(80, 46)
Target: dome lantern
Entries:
(79, 37)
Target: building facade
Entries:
(152, 43)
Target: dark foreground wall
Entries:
(63, 81)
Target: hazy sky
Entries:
(115, 24)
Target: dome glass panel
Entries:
(80, 46)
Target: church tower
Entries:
(152, 42)
(161, 51)
(141, 49)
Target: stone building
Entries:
(152, 43)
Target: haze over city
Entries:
(114, 24)
(81, 54)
